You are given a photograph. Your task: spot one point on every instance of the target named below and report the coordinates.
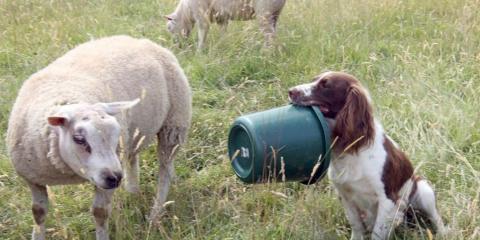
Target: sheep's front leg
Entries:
(202, 34)
(384, 220)
(39, 209)
(101, 209)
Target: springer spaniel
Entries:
(374, 178)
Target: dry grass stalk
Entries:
(282, 195)
(272, 171)
(139, 144)
(282, 169)
(315, 168)
(235, 155)
(168, 203)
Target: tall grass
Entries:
(419, 59)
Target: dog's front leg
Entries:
(354, 218)
(101, 211)
(384, 221)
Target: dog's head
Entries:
(88, 136)
(341, 97)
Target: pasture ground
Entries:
(419, 59)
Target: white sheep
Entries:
(62, 130)
(203, 12)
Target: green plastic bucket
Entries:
(294, 136)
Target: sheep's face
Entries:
(88, 137)
(177, 27)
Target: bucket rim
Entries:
(322, 169)
(245, 173)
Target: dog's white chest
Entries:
(353, 181)
(347, 169)
(357, 178)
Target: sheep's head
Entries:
(179, 26)
(88, 136)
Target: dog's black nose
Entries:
(112, 180)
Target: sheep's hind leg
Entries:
(268, 26)
(132, 175)
(39, 210)
(169, 139)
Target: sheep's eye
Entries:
(79, 139)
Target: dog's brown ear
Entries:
(354, 124)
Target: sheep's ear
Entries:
(62, 117)
(114, 108)
(169, 17)
(58, 120)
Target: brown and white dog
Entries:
(374, 178)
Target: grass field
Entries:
(420, 60)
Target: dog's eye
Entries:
(324, 83)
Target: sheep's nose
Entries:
(293, 93)
(112, 180)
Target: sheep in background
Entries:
(202, 12)
(68, 119)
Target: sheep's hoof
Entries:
(38, 233)
(154, 219)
